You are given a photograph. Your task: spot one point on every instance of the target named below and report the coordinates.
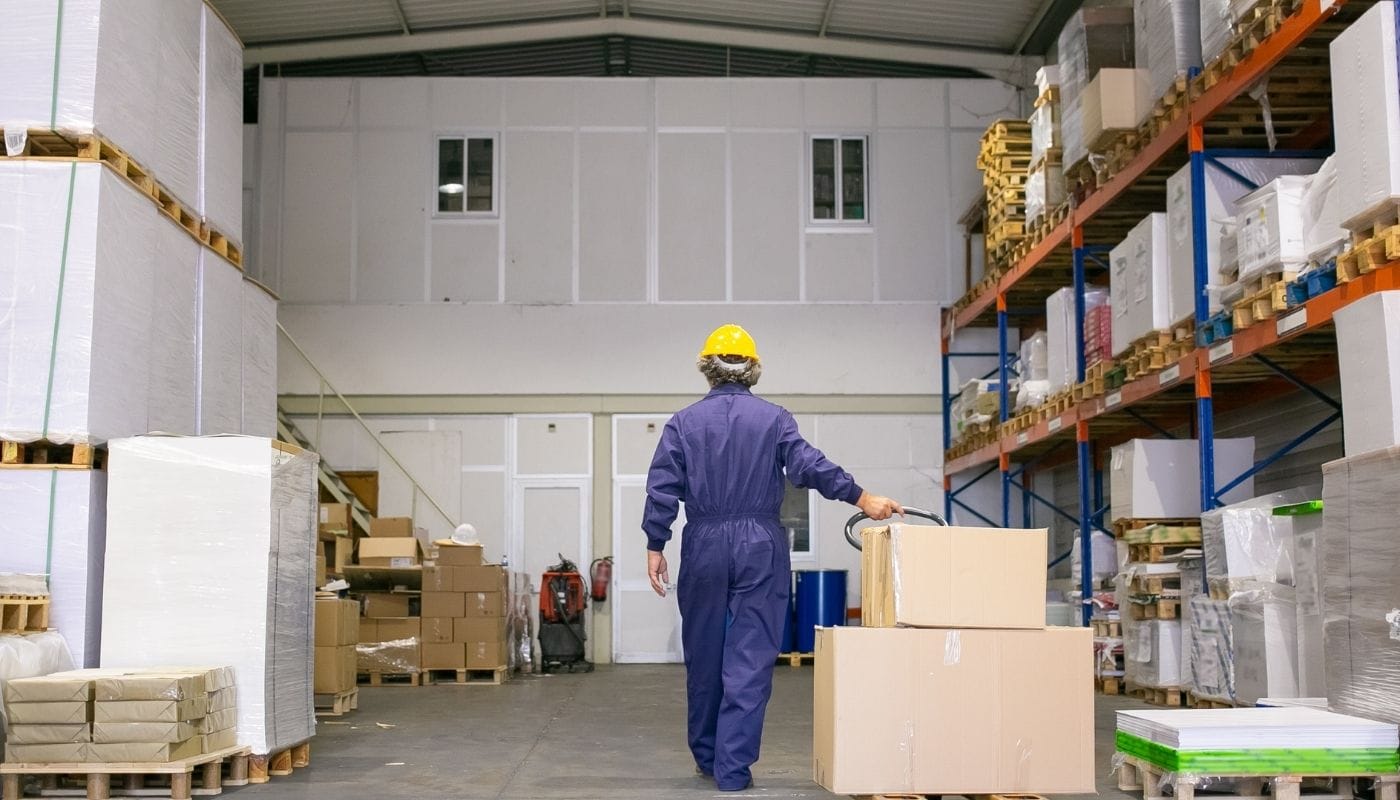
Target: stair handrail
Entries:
(326, 384)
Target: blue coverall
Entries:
(725, 458)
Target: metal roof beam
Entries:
(1012, 69)
(826, 17)
(403, 19)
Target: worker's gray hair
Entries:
(717, 372)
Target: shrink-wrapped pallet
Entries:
(220, 371)
(1246, 544)
(1366, 107)
(221, 127)
(1368, 354)
(1152, 653)
(1093, 38)
(259, 359)
(1139, 283)
(1269, 229)
(1166, 40)
(210, 551)
(54, 523)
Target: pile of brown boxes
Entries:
(974, 695)
(334, 541)
(464, 611)
(337, 633)
(390, 626)
(119, 716)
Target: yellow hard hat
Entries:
(730, 340)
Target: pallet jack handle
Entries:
(908, 512)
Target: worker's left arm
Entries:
(809, 468)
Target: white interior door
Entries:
(553, 520)
(646, 628)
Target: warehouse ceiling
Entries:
(647, 37)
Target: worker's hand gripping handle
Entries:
(908, 512)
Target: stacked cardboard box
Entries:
(121, 716)
(1094, 41)
(465, 607)
(1021, 693)
(337, 633)
(335, 540)
(390, 625)
(391, 543)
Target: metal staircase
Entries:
(288, 431)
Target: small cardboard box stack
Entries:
(337, 633)
(120, 716)
(978, 697)
(464, 610)
(390, 634)
(335, 538)
(391, 543)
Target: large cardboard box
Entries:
(459, 555)
(439, 579)
(937, 711)
(438, 630)
(388, 604)
(1161, 478)
(487, 578)
(940, 576)
(1366, 93)
(444, 656)
(1115, 100)
(391, 630)
(400, 551)
(444, 604)
(486, 655)
(335, 669)
(369, 630)
(334, 519)
(336, 621)
(479, 629)
(485, 604)
(391, 526)
(1368, 353)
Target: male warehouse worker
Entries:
(725, 457)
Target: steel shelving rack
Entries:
(1268, 359)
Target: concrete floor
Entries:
(618, 733)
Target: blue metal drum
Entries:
(821, 602)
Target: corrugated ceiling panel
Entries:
(260, 21)
(992, 24)
(429, 14)
(794, 15)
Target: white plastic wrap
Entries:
(1368, 354)
(1217, 27)
(1270, 228)
(1264, 643)
(30, 656)
(1210, 653)
(1092, 39)
(1105, 558)
(1045, 130)
(1323, 234)
(1360, 556)
(175, 162)
(210, 551)
(259, 360)
(1033, 357)
(1060, 333)
(1312, 662)
(1166, 40)
(1139, 283)
(1161, 478)
(1246, 544)
(1366, 96)
(1045, 191)
(1152, 653)
(220, 370)
(1223, 190)
(73, 368)
(173, 347)
(54, 523)
(221, 127)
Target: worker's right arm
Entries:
(809, 468)
(665, 488)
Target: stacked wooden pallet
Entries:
(1004, 159)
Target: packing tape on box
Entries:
(952, 648)
(896, 535)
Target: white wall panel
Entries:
(553, 445)
(390, 190)
(691, 214)
(393, 103)
(432, 459)
(692, 102)
(614, 195)
(613, 102)
(766, 104)
(857, 441)
(839, 106)
(326, 103)
(841, 266)
(465, 262)
(317, 220)
(465, 103)
(911, 207)
(910, 103)
(636, 442)
(538, 102)
(977, 104)
(767, 185)
(539, 217)
(484, 507)
(483, 438)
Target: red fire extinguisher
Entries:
(600, 576)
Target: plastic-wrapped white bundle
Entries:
(1264, 643)
(1211, 670)
(221, 127)
(1360, 556)
(30, 656)
(1045, 190)
(1166, 40)
(259, 334)
(1045, 130)
(148, 104)
(1312, 663)
(1105, 558)
(1033, 357)
(1152, 653)
(75, 367)
(173, 346)
(1139, 283)
(1367, 95)
(220, 370)
(1092, 39)
(1246, 544)
(1323, 234)
(54, 523)
(1216, 28)
(1368, 352)
(210, 547)
(1270, 228)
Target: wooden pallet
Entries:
(1194, 700)
(1252, 28)
(474, 677)
(1164, 533)
(41, 144)
(797, 659)
(22, 613)
(1109, 684)
(1170, 697)
(378, 678)
(1370, 248)
(278, 763)
(1156, 585)
(1050, 95)
(1264, 297)
(221, 245)
(1161, 608)
(174, 779)
(1157, 553)
(1109, 628)
(338, 704)
(51, 455)
(1136, 775)
(1122, 526)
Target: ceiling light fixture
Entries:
(452, 188)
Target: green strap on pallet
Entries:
(58, 303)
(57, 59)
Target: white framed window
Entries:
(840, 191)
(796, 518)
(466, 179)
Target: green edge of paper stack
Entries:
(1302, 761)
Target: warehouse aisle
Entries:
(618, 733)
